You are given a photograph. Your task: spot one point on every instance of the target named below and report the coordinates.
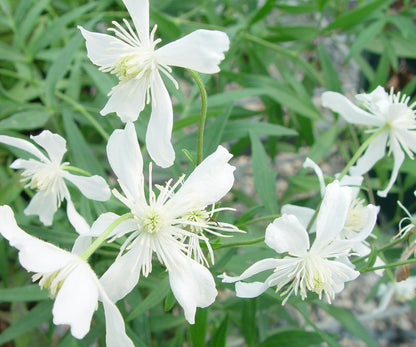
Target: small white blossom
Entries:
(391, 111)
(410, 220)
(305, 268)
(132, 56)
(47, 175)
(164, 224)
(70, 281)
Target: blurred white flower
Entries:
(314, 268)
(382, 110)
(132, 56)
(163, 223)
(70, 281)
(402, 291)
(410, 219)
(47, 174)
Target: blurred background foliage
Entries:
(264, 103)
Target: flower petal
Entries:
(333, 213)
(77, 300)
(94, 187)
(350, 112)
(398, 156)
(250, 290)
(159, 129)
(103, 49)
(54, 145)
(76, 220)
(309, 163)
(303, 214)
(23, 144)
(260, 266)
(373, 154)
(125, 158)
(35, 255)
(114, 324)
(202, 50)
(287, 234)
(43, 204)
(139, 13)
(127, 99)
(206, 185)
(192, 285)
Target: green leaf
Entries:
(264, 176)
(348, 320)
(199, 329)
(263, 11)
(33, 318)
(28, 293)
(154, 298)
(26, 120)
(237, 129)
(248, 321)
(214, 132)
(331, 80)
(219, 335)
(293, 338)
(382, 72)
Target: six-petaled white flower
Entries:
(305, 267)
(133, 57)
(70, 281)
(47, 174)
(390, 112)
(162, 224)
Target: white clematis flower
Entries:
(314, 268)
(162, 224)
(381, 110)
(47, 174)
(133, 57)
(70, 281)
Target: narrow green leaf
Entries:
(28, 293)
(263, 11)
(220, 334)
(26, 120)
(215, 130)
(264, 176)
(293, 338)
(248, 321)
(33, 318)
(382, 72)
(27, 25)
(199, 329)
(331, 80)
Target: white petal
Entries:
(139, 13)
(206, 185)
(333, 213)
(309, 163)
(22, 144)
(350, 112)
(127, 99)
(250, 290)
(159, 129)
(377, 96)
(103, 49)
(371, 212)
(201, 50)
(193, 286)
(303, 214)
(94, 187)
(398, 156)
(114, 324)
(76, 220)
(44, 205)
(354, 182)
(125, 158)
(35, 255)
(77, 300)
(260, 266)
(122, 276)
(287, 234)
(373, 154)
(54, 145)
(340, 273)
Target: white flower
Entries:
(161, 224)
(132, 56)
(402, 291)
(314, 268)
(410, 219)
(46, 174)
(382, 110)
(70, 281)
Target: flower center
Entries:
(316, 275)
(197, 220)
(135, 65)
(357, 217)
(152, 221)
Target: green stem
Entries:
(76, 170)
(99, 240)
(200, 144)
(360, 151)
(387, 266)
(242, 243)
(259, 219)
(81, 109)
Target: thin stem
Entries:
(81, 109)
(387, 266)
(76, 170)
(259, 219)
(360, 151)
(99, 240)
(242, 243)
(200, 144)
